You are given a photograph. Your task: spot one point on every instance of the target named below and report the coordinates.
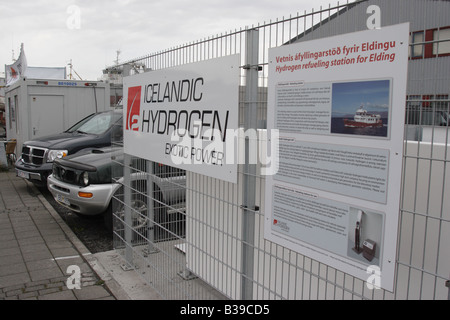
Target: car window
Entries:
(97, 124)
(80, 123)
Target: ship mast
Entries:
(72, 70)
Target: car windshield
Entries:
(97, 123)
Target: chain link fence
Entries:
(190, 236)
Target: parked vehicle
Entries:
(83, 182)
(94, 131)
(86, 183)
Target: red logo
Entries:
(275, 221)
(13, 73)
(133, 108)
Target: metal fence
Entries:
(195, 237)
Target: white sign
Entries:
(339, 106)
(182, 116)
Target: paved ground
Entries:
(37, 249)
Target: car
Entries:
(87, 181)
(83, 182)
(95, 131)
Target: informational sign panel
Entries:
(185, 116)
(339, 106)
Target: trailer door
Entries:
(47, 115)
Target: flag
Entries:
(14, 71)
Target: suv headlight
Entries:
(84, 178)
(56, 154)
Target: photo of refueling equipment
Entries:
(365, 232)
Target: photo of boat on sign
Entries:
(363, 119)
(361, 108)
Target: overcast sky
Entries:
(89, 32)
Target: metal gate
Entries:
(194, 237)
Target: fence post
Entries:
(150, 208)
(249, 176)
(128, 232)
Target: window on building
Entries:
(430, 43)
(442, 46)
(427, 110)
(442, 107)
(10, 112)
(413, 106)
(417, 39)
(16, 112)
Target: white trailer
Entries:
(39, 107)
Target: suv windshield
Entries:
(97, 123)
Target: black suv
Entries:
(94, 131)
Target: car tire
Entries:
(114, 215)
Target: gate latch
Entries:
(248, 67)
